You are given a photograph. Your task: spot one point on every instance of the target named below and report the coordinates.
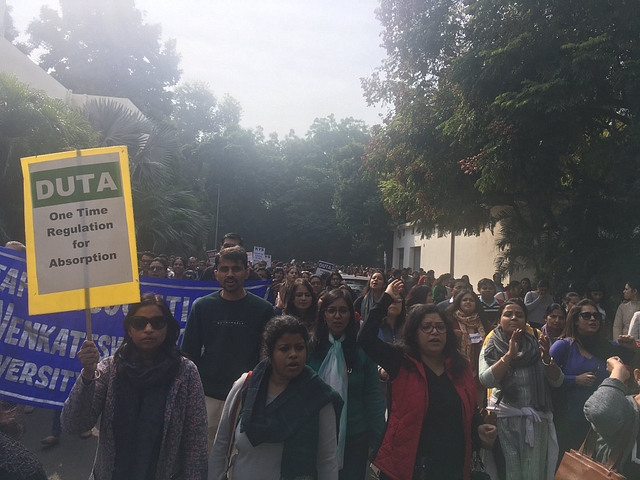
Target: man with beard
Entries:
(224, 331)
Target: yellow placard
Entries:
(80, 234)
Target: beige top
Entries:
(624, 314)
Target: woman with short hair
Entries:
(432, 426)
(287, 415)
(149, 399)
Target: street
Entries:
(71, 459)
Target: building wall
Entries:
(16, 63)
(474, 256)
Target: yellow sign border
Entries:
(103, 296)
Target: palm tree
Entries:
(31, 123)
(165, 210)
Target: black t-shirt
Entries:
(442, 444)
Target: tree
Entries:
(528, 109)
(198, 115)
(168, 215)
(103, 47)
(31, 123)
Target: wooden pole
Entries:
(88, 315)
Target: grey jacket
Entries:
(610, 410)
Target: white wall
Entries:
(474, 256)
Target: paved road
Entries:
(71, 459)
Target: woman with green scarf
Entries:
(340, 362)
(279, 421)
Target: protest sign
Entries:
(258, 254)
(211, 255)
(324, 267)
(267, 258)
(250, 258)
(79, 228)
(38, 362)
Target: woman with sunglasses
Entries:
(582, 354)
(335, 355)
(433, 425)
(149, 399)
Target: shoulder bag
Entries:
(580, 465)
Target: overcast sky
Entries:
(286, 61)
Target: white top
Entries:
(263, 461)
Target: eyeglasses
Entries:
(340, 310)
(429, 327)
(156, 268)
(140, 323)
(588, 315)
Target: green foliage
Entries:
(528, 109)
(198, 115)
(31, 124)
(168, 216)
(103, 47)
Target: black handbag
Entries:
(477, 468)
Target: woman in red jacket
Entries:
(433, 407)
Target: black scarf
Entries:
(601, 348)
(291, 418)
(528, 358)
(140, 396)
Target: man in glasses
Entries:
(537, 302)
(224, 332)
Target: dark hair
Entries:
(513, 301)
(543, 284)
(276, 328)
(457, 301)
(597, 345)
(333, 274)
(486, 281)
(552, 307)
(163, 261)
(234, 254)
(513, 284)
(320, 338)
(415, 315)
(168, 346)
(367, 288)
(266, 270)
(443, 278)
(290, 308)
(418, 294)
(315, 276)
(184, 261)
(278, 270)
(235, 237)
(568, 296)
(634, 284)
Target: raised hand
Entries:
(545, 346)
(514, 343)
(395, 289)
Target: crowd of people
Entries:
(421, 377)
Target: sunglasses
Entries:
(156, 268)
(588, 315)
(140, 323)
(430, 327)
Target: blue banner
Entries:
(38, 364)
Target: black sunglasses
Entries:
(140, 323)
(588, 315)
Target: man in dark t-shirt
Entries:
(224, 332)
